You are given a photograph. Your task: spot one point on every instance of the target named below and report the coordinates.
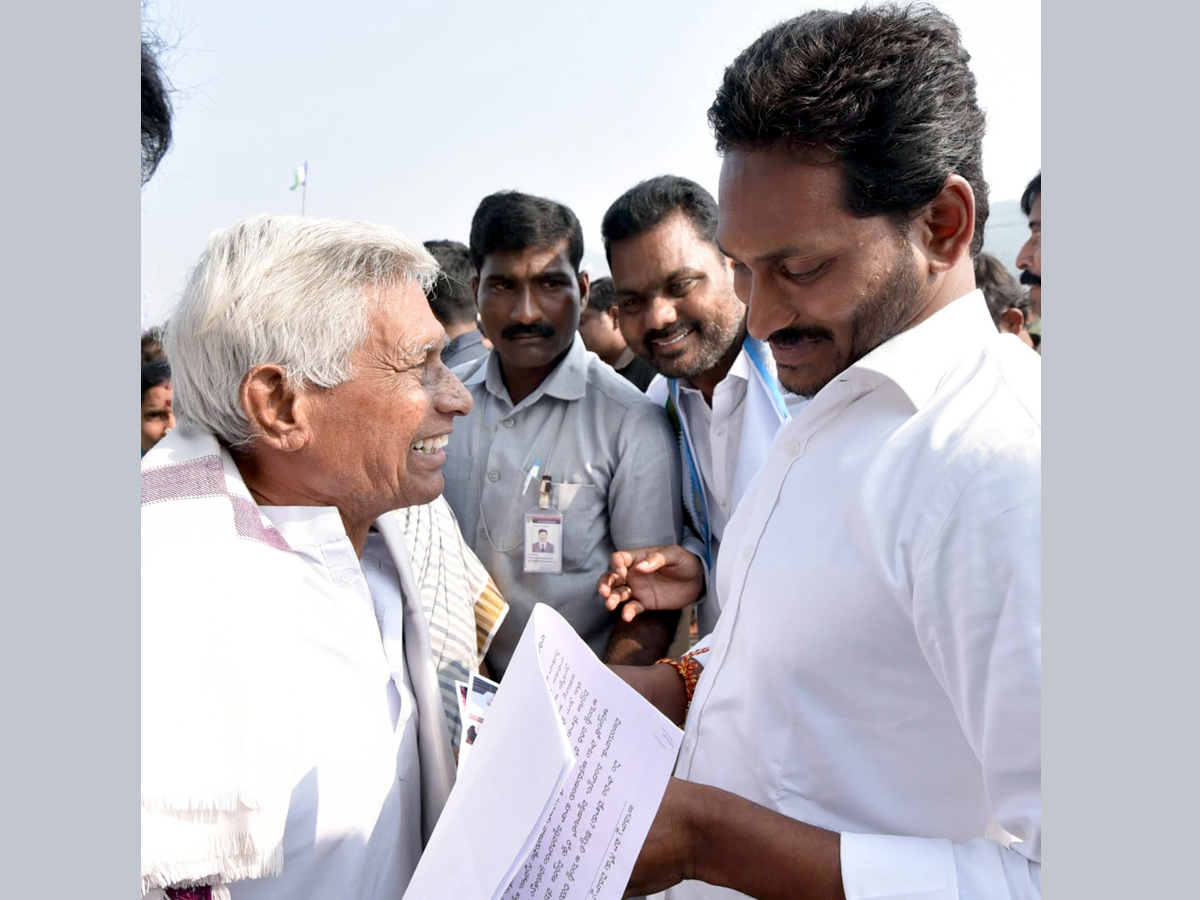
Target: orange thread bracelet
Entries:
(689, 670)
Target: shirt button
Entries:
(747, 552)
(346, 576)
(793, 448)
(721, 432)
(493, 475)
(508, 423)
(722, 503)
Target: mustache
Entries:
(1028, 278)
(665, 334)
(537, 329)
(786, 337)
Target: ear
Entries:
(943, 231)
(1012, 320)
(614, 313)
(585, 282)
(277, 412)
(475, 290)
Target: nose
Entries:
(453, 398)
(525, 309)
(766, 312)
(170, 421)
(660, 313)
(1025, 257)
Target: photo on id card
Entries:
(543, 541)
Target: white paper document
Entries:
(562, 784)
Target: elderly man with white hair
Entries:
(293, 743)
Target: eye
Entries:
(804, 273)
(682, 287)
(631, 304)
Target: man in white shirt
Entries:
(293, 743)
(866, 723)
(678, 310)
(1029, 259)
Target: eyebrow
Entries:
(679, 274)
(415, 354)
(774, 256)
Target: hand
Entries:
(656, 578)
(669, 854)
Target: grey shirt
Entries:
(465, 348)
(614, 466)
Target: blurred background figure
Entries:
(601, 333)
(158, 417)
(152, 349)
(156, 110)
(1009, 305)
(453, 302)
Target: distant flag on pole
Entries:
(299, 176)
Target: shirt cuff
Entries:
(880, 867)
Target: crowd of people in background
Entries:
(781, 470)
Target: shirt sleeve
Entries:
(977, 613)
(644, 497)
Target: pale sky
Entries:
(408, 112)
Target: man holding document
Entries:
(864, 721)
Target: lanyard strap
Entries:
(757, 351)
(698, 508)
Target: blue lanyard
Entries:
(757, 351)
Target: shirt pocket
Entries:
(585, 524)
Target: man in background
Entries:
(1008, 304)
(600, 329)
(553, 421)
(453, 303)
(1029, 260)
(678, 309)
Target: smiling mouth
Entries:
(431, 445)
(670, 342)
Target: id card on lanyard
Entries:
(543, 535)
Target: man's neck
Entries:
(520, 383)
(458, 329)
(706, 382)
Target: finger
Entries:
(651, 563)
(631, 610)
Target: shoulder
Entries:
(608, 386)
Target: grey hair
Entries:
(290, 291)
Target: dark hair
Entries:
(1001, 290)
(509, 221)
(450, 296)
(154, 374)
(602, 294)
(156, 111)
(886, 89)
(1033, 190)
(644, 206)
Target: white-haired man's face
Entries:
(377, 439)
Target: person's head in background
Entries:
(156, 110)
(1029, 260)
(599, 325)
(1007, 302)
(451, 298)
(529, 290)
(152, 349)
(158, 415)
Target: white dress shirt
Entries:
(354, 823)
(876, 669)
(729, 446)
